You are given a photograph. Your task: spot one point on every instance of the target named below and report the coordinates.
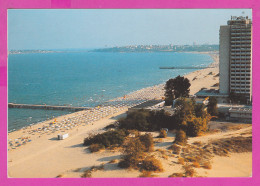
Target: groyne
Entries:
(46, 107)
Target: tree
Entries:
(175, 88)
(212, 106)
(200, 110)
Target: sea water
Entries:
(85, 78)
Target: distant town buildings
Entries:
(235, 57)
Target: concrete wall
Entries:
(224, 47)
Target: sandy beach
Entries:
(35, 152)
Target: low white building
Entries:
(239, 114)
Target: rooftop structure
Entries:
(235, 50)
(148, 105)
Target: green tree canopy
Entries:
(177, 87)
(212, 106)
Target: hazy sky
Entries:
(97, 28)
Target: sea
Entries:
(85, 78)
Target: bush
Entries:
(188, 171)
(196, 126)
(181, 161)
(146, 174)
(180, 138)
(96, 147)
(163, 134)
(176, 148)
(212, 106)
(136, 120)
(177, 175)
(133, 152)
(151, 164)
(107, 139)
(124, 163)
(147, 141)
(86, 174)
(207, 165)
(196, 164)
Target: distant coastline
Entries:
(161, 48)
(130, 48)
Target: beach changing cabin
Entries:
(62, 136)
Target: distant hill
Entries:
(160, 48)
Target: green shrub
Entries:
(151, 164)
(180, 138)
(136, 120)
(107, 139)
(196, 126)
(147, 141)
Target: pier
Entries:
(46, 107)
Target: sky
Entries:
(31, 29)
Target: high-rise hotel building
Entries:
(235, 57)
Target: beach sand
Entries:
(35, 152)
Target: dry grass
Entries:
(165, 157)
(96, 147)
(188, 171)
(147, 174)
(77, 170)
(147, 141)
(197, 143)
(177, 175)
(181, 138)
(162, 151)
(207, 165)
(192, 159)
(113, 161)
(196, 164)
(176, 149)
(150, 163)
(181, 161)
(222, 147)
(88, 173)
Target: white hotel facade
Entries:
(235, 57)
